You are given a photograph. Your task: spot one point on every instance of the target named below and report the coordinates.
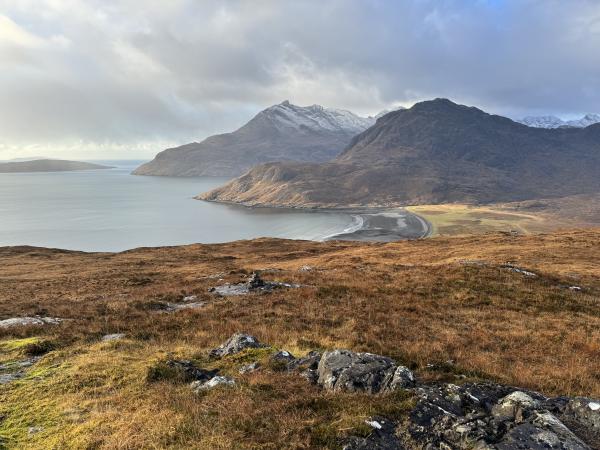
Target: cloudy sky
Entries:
(123, 79)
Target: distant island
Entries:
(48, 165)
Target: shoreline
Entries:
(385, 225)
(375, 223)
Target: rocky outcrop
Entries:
(492, 416)
(255, 284)
(235, 344)
(343, 370)
(28, 321)
(483, 416)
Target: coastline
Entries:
(372, 224)
(385, 225)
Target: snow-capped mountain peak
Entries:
(585, 121)
(315, 117)
(555, 122)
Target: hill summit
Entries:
(282, 132)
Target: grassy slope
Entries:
(414, 301)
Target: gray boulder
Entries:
(542, 431)
(236, 344)
(343, 370)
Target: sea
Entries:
(112, 210)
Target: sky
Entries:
(104, 79)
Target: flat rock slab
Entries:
(228, 290)
(25, 321)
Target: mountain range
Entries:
(283, 132)
(435, 152)
(555, 122)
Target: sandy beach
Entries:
(384, 226)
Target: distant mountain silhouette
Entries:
(282, 132)
(435, 152)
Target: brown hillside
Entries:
(445, 307)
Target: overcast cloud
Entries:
(120, 79)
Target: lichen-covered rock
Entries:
(403, 378)
(582, 415)
(203, 385)
(492, 417)
(542, 431)
(28, 321)
(584, 411)
(514, 405)
(236, 344)
(343, 370)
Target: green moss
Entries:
(28, 404)
(18, 344)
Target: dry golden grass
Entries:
(415, 301)
(526, 217)
(456, 219)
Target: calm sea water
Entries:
(111, 210)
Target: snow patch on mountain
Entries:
(316, 117)
(555, 122)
